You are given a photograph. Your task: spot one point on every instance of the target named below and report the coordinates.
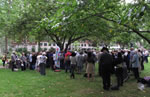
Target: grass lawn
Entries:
(59, 84)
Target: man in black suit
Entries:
(105, 63)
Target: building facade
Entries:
(44, 45)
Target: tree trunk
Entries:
(39, 48)
(6, 44)
(61, 46)
(66, 48)
(67, 45)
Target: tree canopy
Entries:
(71, 20)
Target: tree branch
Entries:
(77, 38)
(134, 30)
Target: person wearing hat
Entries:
(105, 63)
(42, 64)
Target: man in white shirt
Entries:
(42, 64)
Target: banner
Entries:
(56, 57)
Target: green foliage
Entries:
(124, 39)
(71, 20)
(45, 49)
(52, 49)
(21, 50)
(33, 49)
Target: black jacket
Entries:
(105, 62)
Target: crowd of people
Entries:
(118, 62)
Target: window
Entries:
(54, 44)
(41, 44)
(45, 44)
(84, 44)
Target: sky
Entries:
(128, 1)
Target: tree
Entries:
(129, 16)
(10, 12)
(66, 21)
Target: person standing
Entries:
(135, 64)
(42, 64)
(62, 60)
(13, 60)
(142, 60)
(90, 66)
(67, 61)
(4, 59)
(105, 63)
(146, 53)
(34, 58)
(119, 70)
(24, 62)
(51, 61)
(127, 60)
(80, 62)
(30, 61)
(132, 51)
(72, 64)
(37, 66)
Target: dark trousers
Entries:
(106, 79)
(31, 66)
(48, 64)
(79, 69)
(51, 62)
(128, 66)
(3, 62)
(146, 59)
(72, 71)
(67, 66)
(42, 69)
(62, 64)
(52, 65)
(136, 72)
(13, 66)
(119, 75)
(142, 64)
(23, 67)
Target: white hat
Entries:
(43, 53)
(13, 52)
